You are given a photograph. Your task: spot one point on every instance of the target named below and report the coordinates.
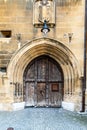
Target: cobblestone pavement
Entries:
(43, 119)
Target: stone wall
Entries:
(17, 16)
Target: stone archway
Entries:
(50, 47)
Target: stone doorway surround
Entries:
(61, 54)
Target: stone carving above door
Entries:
(44, 10)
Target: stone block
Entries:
(18, 106)
(68, 106)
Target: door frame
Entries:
(47, 81)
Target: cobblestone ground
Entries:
(43, 119)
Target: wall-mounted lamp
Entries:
(45, 28)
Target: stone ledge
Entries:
(18, 106)
(68, 106)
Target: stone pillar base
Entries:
(68, 106)
(12, 106)
(18, 106)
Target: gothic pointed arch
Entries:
(52, 48)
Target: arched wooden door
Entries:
(43, 83)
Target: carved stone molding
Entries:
(44, 11)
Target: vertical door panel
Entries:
(41, 94)
(55, 96)
(29, 94)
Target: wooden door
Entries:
(41, 94)
(43, 79)
(29, 91)
(55, 95)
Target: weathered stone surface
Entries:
(17, 16)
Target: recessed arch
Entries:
(52, 48)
